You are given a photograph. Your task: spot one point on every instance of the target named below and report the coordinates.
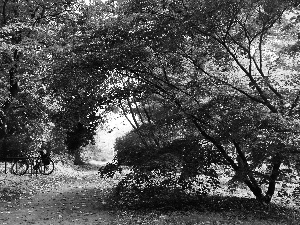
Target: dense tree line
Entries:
(36, 105)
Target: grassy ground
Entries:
(74, 195)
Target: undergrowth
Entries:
(230, 208)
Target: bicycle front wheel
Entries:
(46, 169)
(20, 167)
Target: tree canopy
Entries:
(224, 65)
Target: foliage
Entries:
(177, 172)
(152, 189)
(25, 122)
(214, 62)
(36, 50)
(24, 62)
(73, 85)
(130, 150)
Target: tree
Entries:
(217, 62)
(23, 29)
(74, 81)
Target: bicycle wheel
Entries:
(20, 167)
(46, 169)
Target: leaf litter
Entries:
(80, 197)
(73, 197)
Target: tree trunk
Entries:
(249, 178)
(3, 125)
(13, 93)
(77, 158)
(273, 177)
(256, 190)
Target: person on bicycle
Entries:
(43, 163)
(44, 154)
(45, 158)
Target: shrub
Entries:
(179, 171)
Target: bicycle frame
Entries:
(36, 165)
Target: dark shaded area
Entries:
(8, 194)
(230, 207)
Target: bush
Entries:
(178, 172)
(157, 190)
(130, 151)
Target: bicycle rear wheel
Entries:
(20, 167)
(46, 169)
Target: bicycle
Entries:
(44, 164)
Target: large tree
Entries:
(224, 64)
(24, 61)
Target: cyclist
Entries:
(45, 157)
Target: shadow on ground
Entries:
(228, 206)
(79, 203)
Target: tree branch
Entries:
(245, 162)
(217, 145)
(220, 80)
(4, 20)
(273, 177)
(295, 103)
(265, 80)
(252, 80)
(133, 126)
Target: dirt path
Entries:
(78, 197)
(75, 201)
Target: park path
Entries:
(79, 200)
